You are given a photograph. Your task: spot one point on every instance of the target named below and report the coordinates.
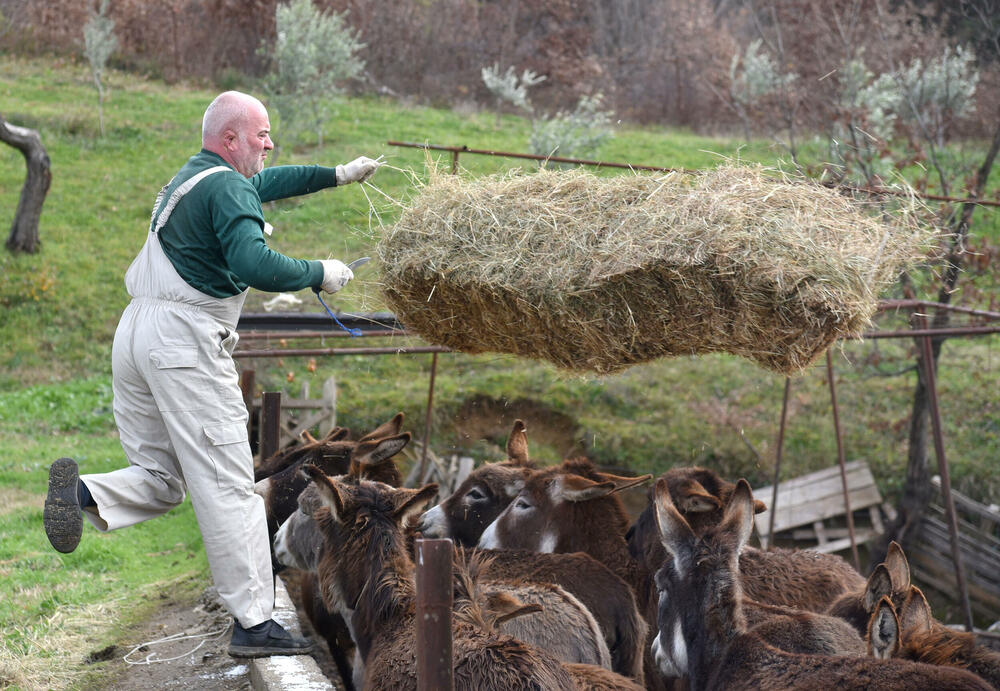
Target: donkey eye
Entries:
(522, 505)
(475, 494)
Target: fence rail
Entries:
(456, 151)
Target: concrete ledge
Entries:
(287, 672)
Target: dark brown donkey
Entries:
(802, 579)
(365, 563)
(703, 632)
(481, 497)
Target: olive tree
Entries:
(312, 55)
(99, 42)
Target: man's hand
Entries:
(358, 170)
(335, 275)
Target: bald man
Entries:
(177, 400)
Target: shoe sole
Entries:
(253, 651)
(62, 517)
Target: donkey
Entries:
(574, 507)
(566, 627)
(365, 565)
(335, 455)
(482, 495)
(370, 457)
(702, 625)
(921, 638)
(802, 579)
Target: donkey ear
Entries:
(576, 488)
(329, 494)
(694, 498)
(335, 434)
(374, 451)
(505, 606)
(899, 568)
(759, 506)
(738, 516)
(879, 585)
(915, 614)
(622, 482)
(675, 533)
(517, 444)
(386, 429)
(410, 503)
(883, 631)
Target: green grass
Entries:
(59, 310)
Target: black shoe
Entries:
(63, 518)
(265, 639)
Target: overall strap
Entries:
(160, 218)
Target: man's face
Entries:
(254, 141)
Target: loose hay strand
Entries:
(599, 273)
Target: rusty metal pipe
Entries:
(427, 419)
(841, 461)
(947, 331)
(777, 464)
(456, 150)
(433, 625)
(930, 379)
(294, 352)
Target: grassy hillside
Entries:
(59, 308)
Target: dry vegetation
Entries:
(595, 274)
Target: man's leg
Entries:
(206, 419)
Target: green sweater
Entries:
(215, 235)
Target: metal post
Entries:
(949, 502)
(427, 420)
(434, 602)
(841, 460)
(247, 386)
(270, 423)
(777, 464)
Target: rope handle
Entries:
(354, 332)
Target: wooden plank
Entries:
(818, 509)
(858, 478)
(816, 476)
(860, 536)
(969, 505)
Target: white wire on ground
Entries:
(151, 657)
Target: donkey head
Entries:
(562, 511)
(364, 528)
(483, 495)
(698, 582)
(699, 494)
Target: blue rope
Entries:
(353, 332)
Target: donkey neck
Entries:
(387, 598)
(719, 624)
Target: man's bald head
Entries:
(229, 110)
(236, 128)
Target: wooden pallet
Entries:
(979, 548)
(808, 505)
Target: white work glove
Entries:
(336, 274)
(358, 170)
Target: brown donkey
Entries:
(365, 564)
(803, 579)
(702, 627)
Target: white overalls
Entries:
(183, 423)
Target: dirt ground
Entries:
(194, 656)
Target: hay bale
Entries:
(596, 274)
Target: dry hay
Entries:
(596, 274)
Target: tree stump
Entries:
(24, 231)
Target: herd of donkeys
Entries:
(555, 587)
